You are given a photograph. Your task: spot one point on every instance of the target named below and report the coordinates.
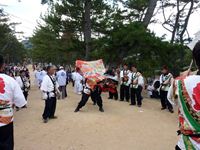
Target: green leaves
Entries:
(133, 44)
(10, 47)
(118, 35)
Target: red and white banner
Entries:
(92, 70)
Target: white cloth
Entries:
(23, 83)
(42, 75)
(73, 75)
(78, 79)
(61, 77)
(19, 81)
(87, 89)
(136, 77)
(141, 80)
(47, 86)
(151, 88)
(122, 74)
(35, 77)
(166, 80)
(10, 93)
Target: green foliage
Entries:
(48, 47)
(10, 47)
(118, 36)
(134, 44)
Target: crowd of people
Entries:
(128, 80)
(53, 81)
(21, 74)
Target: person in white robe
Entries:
(49, 88)
(10, 95)
(78, 82)
(61, 76)
(41, 76)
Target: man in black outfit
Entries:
(96, 96)
(136, 86)
(165, 81)
(49, 87)
(125, 84)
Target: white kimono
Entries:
(78, 79)
(42, 74)
(10, 93)
(35, 77)
(47, 86)
(61, 77)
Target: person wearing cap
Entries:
(185, 93)
(49, 88)
(62, 81)
(165, 81)
(10, 94)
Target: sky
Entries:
(27, 12)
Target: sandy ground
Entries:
(120, 127)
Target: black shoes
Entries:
(45, 120)
(24, 106)
(170, 110)
(76, 110)
(101, 110)
(132, 104)
(54, 117)
(135, 104)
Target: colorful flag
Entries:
(92, 70)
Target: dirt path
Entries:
(120, 127)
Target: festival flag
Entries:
(92, 70)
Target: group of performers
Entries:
(132, 84)
(183, 91)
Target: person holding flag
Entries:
(93, 72)
(95, 91)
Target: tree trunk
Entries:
(87, 28)
(186, 22)
(149, 13)
(176, 25)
